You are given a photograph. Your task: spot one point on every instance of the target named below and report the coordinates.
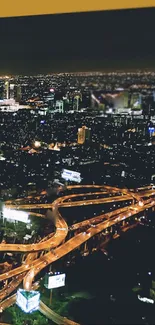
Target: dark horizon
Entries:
(94, 41)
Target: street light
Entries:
(141, 203)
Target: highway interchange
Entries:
(56, 245)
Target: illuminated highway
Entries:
(56, 246)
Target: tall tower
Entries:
(94, 101)
(12, 91)
(60, 106)
(50, 99)
(126, 99)
(136, 101)
(6, 90)
(87, 134)
(18, 93)
(76, 103)
(83, 135)
(77, 99)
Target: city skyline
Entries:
(111, 40)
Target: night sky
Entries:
(123, 39)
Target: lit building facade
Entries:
(83, 134)
(136, 101)
(59, 106)
(6, 90)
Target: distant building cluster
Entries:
(111, 93)
(99, 125)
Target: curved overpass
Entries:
(57, 248)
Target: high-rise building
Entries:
(126, 99)
(77, 99)
(18, 93)
(87, 134)
(120, 100)
(6, 90)
(76, 103)
(83, 135)
(49, 98)
(136, 101)
(15, 92)
(12, 91)
(60, 106)
(94, 101)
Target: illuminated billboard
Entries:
(70, 175)
(52, 90)
(28, 301)
(152, 131)
(56, 280)
(147, 300)
(13, 215)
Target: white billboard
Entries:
(14, 215)
(56, 281)
(28, 301)
(70, 175)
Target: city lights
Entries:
(37, 144)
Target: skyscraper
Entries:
(126, 99)
(49, 98)
(18, 93)
(6, 90)
(94, 101)
(136, 101)
(77, 99)
(120, 100)
(76, 103)
(12, 91)
(83, 135)
(59, 105)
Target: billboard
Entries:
(56, 280)
(147, 300)
(13, 215)
(70, 175)
(28, 301)
(152, 131)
